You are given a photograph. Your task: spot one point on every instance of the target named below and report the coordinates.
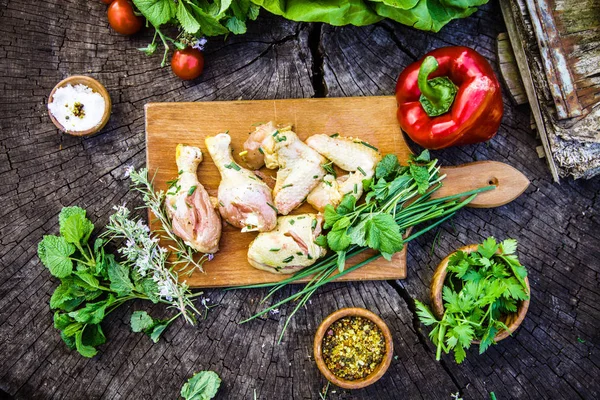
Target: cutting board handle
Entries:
(509, 182)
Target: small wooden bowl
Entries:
(512, 321)
(96, 87)
(381, 368)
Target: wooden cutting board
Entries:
(372, 119)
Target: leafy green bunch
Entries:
(428, 15)
(397, 199)
(93, 283)
(196, 19)
(480, 289)
(373, 224)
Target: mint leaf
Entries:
(387, 166)
(68, 212)
(382, 233)
(141, 321)
(338, 240)
(331, 216)
(186, 19)
(62, 320)
(347, 204)
(69, 295)
(423, 157)
(157, 331)
(358, 233)
(93, 335)
(69, 340)
(202, 386)
(321, 240)
(119, 278)
(92, 313)
(76, 229)
(72, 329)
(149, 288)
(54, 252)
(90, 280)
(83, 349)
(341, 224)
(158, 12)
(421, 177)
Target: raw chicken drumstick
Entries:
(244, 200)
(193, 216)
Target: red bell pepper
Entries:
(450, 97)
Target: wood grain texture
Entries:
(42, 170)
(167, 124)
(372, 119)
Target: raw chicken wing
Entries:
(300, 169)
(193, 216)
(349, 154)
(290, 247)
(244, 200)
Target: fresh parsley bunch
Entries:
(93, 283)
(196, 19)
(481, 287)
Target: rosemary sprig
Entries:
(155, 202)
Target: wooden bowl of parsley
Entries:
(484, 283)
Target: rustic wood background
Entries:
(553, 355)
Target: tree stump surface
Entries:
(554, 353)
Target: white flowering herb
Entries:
(93, 283)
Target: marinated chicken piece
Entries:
(350, 154)
(290, 247)
(300, 168)
(252, 154)
(193, 217)
(245, 201)
(326, 192)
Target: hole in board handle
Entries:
(493, 181)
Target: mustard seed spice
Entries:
(353, 347)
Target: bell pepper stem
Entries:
(437, 94)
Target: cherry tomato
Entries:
(187, 63)
(106, 1)
(122, 18)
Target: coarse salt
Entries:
(77, 108)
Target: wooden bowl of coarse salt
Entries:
(79, 105)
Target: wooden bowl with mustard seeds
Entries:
(353, 348)
(78, 109)
(512, 321)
